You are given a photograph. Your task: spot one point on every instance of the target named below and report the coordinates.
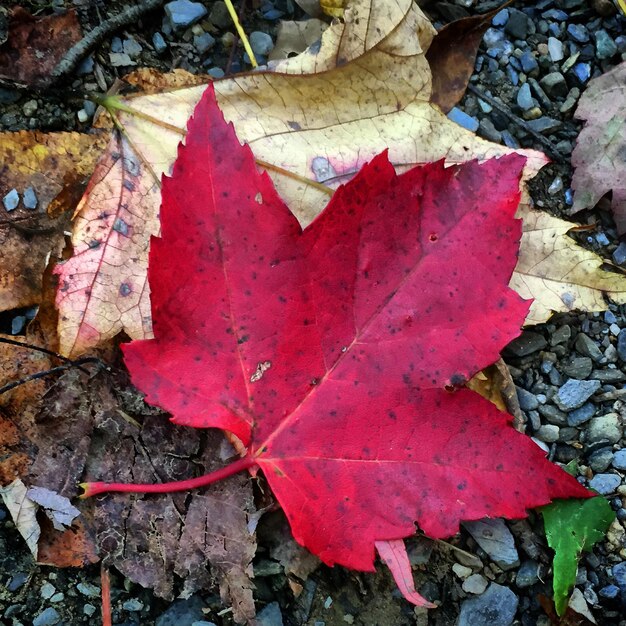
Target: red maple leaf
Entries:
(336, 353)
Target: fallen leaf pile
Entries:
(363, 322)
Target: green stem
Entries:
(93, 489)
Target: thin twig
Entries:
(544, 141)
(52, 370)
(96, 36)
(105, 590)
(29, 346)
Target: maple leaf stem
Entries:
(94, 489)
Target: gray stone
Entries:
(529, 63)
(555, 49)
(588, 347)
(608, 375)
(554, 85)
(29, 109)
(605, 46)
(11, 200)
(619, 459)
(619, 255)
(527, 343)
(605, 484)
(619, 575)
(120, 59)
(30, 198)
(475, 584)
(496, 607)
(492, 37)
(116, 45)
(89, 590)
(540, 94)
(544, 124)
(600, 460)
(216, 72)
(9, 96)
(261, 43)
(582, 72)
(494, 537)
(487, 130)
(578, 33)
(561, 335)
(574, 393)
(578, 367)
(553, 415)
(604, 428)
(133, 605)
(548, 433)
(270, 615)
(621, 344)
(132, 48)
(203, 42)
(182, 612)
(219, 15)
(518, 24)
(48, 617)
(463, 119)
(527, 401)
(203, 623)
(500, 18)
(524, 98)
(609, 592)
(159, 43)
(581, 415)
(184, 13)
(528, 574)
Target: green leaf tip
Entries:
(572, 527)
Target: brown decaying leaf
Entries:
(599, 157)
(56, 167)
(452, 55)
(212, 525)
(35, 45)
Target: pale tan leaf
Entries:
(23, 512)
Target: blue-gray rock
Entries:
(544, 124)
(159, 43)
(555, 14)
(588, 347)
(219, 15)
(527, 343)
(582, 71)
(574, 393)
(9, 96)
(509, 140)
(17, 324)
(48, 617)
(609, 317)
(619, 575)
(548, 433)
(261, 43)
(182, 612)
(608, 375)
(528, 61)
(528, 574)
(494, 537)
(602, 239)
(203, 623)
(270, 615)
(17, 580)
(487, 130)
(496, 607)
(578, 33)
(555, 49)
(605, 484)
(609, 592)
(553, 415)
(89, 590)
(132, 48)
(619, 256)
(524, 99)
(500, 18)
(600, 460)
(184, 13)
(11, 200)
(578, 367)
(621, 344)
(581, 415)
(554, 85)
(30, 198)
(518, 24)
(605, 428)
(85, 66)
(605, 46)
(463, 119)
(492, 37)
(203, 42)
(216, 72)
(619, 459)
(116, 45)
(527, 401)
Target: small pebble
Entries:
(604, 428)
(619, 256)
(89, 609)
(132, 605)
(132, 48)
(524, 98)
(203, 42)
(47, 591)
(463, 119)
(261, 43)
(48, 617)
(574, 393)
(555, 49)
(89, 590)
(578, 33)
(30, 198)
(159, 43)
(11, 200)
(184, 13)
(605, 46)
(475, 584)
(619, 459)
(605, 484)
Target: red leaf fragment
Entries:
(336, 353)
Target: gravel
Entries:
(495, 607)
(574, 393)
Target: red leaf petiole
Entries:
(94, 489)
